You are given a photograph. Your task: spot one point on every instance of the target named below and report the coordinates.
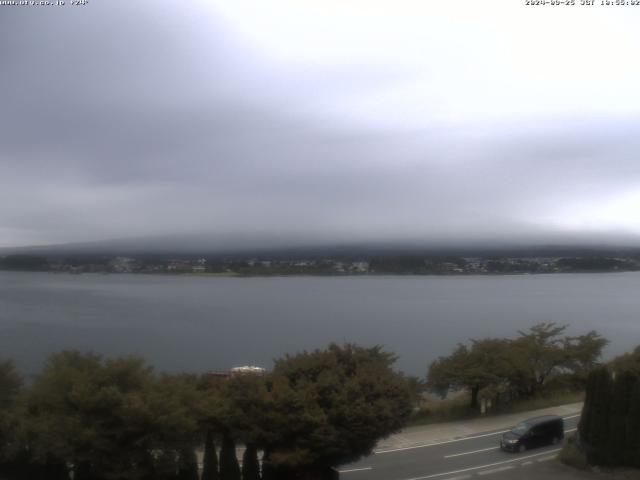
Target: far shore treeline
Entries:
(333, 262)
(97, 418)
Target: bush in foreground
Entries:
(571, 455)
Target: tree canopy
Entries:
(627, 362)
(108, 417)
(329, 407)
(102, 418)
(10, 383)
(520, 366)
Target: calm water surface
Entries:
(202, 323)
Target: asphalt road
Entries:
(455, 459)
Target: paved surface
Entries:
(456, 451)
(554, 470)
(451, 430)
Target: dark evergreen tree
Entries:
(632, 447)
(166, 465)
(609, 429)
(586, 418)
(618, 411)
(595, 431)
(210, 460)
(250, 463)
(82, 471)
(56, 470)
(229, 468)
(268, 472)
(187, 464)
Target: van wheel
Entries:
(522, 448)
(554, 441)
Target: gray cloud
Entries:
(121, 120)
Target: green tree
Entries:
(543, 350)
(244, 400)
(486, 363)
(632, 428)
(12, 461)
(417, 387)
(594, 421)
(187, 464)
(210, 458)
(546, 353)
(617, 418)
(93, 414)
(627, 362)
(521, 367)
(610, 420)
(109, 418)
(165, 465)
(584, 351)
(229, 467)
(330, 407)
(250, 463)
(10, 384)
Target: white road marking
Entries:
(570, 430)
(425, 445)
(528, 462)
(483, 466)
(496, 470)
(461, 477)
(441, 443)
(546, 459)
(469, 453)
(355, 470)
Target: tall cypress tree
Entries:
(618, 411)
(166, 465)
(586, 418)
(56, 470)
(250, 463)
(229, 468)
(268, 472)
(210, 460)
(598, 416)
(187, 464)
(632, 447)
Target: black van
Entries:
(535, 432)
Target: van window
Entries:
(540, 430)
(520, 429)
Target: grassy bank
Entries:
(457, 408)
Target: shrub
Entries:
(571, 455)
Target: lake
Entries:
(207, 323)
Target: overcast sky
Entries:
(326, 120)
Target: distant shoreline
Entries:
(324, 275)
(325, 265)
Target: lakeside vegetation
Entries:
(539, 362)
(540, 368)
(98, 418)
